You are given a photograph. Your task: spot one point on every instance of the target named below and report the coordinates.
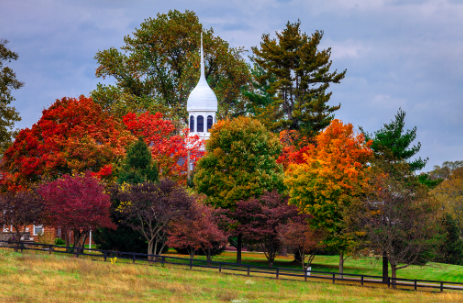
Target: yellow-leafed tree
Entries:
(331, 175)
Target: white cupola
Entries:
(201, 105)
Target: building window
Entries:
(38, 230)
(200, 125)
(192, 124)
(210, 121)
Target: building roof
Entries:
(202, 98)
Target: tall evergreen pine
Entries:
(393, 143)
(301, 79)
(138, 165)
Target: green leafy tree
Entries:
(159, 67)
(8, 81)
(240, 163)
(451, 250)
(302, 78)
(138, 165)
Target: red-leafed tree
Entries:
(150, 208)
(258, 220)
(72, 136)
(78, 204)
(169, 150)
(301, 239)
(20, 209)
(198, 230)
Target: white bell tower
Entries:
(201, 105)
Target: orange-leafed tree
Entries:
(73, 136)
(168, 149)
(332, 174)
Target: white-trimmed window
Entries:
(38, 229)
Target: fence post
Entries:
(415, 284)
(105, 256)
(163, 259)
(50, 249)
(278, 272)
(388, 282)
(220, 267)
(441, 286)
(191, 263)
(305, 274)
(249, 270)
(133, 257)
(22, 247)
(361, 280)
(334, 278)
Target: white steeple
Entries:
(202, 98)
(201, 105)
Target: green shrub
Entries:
(59, 241)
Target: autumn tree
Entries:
(168, 149)
(20, 209)
(158, 68)
(197, 231)
(450, 194)
(149, 208)
(300, 238)
(332, 175)
(445, 170)
(77, 204)
(302, 78)
(240, 163)
(399, 217)
(8, 82)
(259, 219)
(72, 136)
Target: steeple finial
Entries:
(202, 57)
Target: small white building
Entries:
(201, 106)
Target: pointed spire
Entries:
(202, 57)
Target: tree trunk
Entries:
(238, 249)
(298, 257)
(208, 254)
(341, 265)
(385, 267)
(393, 275)
(150, 250)
(67, 236)
(18, 238)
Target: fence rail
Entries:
(276, 272)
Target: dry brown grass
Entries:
(44, 278)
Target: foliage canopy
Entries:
(240, 163)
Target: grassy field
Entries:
(364, 265)
(32, 277)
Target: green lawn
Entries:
(364, 265)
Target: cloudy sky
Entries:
(397, 53)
